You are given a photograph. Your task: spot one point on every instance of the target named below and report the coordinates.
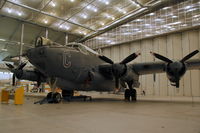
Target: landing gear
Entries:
(50, 98)
(53, 97)
(130, 94)
(67, 94)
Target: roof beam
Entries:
(3, 3)
(30, 22)
(131, 16)
(47, 14)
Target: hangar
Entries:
(120, 34)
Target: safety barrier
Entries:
(18, 96)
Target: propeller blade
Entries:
(190, 55)
(13, 80)
(130, 58)
(21, 66)
(165, 59)
(9, 66)
(116, 82)
(106, 59)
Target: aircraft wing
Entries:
(159, 67)
(149, 67)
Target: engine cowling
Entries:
(175, 71)
(30, 75)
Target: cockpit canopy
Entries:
(41, 41)
(82, 48)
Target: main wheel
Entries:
(57, 97)
(133, 94)
(127, 95)
(50, 97)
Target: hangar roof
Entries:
(74, 16)
(77, 18)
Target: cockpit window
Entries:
(82, 48)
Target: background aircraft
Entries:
(75, 66)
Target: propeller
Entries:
(189, 55)
(117, 69)
(165, 59)
(175, 69)
(16, 71)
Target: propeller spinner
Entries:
(118, 69)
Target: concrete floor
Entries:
(102, 115)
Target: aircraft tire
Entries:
(133, 94)
(127, 95)
(49, 97)
(57, 97)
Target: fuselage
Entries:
(73, 67)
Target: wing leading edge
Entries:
(160, 67)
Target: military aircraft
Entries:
(76, 66)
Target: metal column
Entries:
(66, 38)
(21, 43)
(46, 33)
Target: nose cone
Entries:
(36, 57)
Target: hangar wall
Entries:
(174, 46)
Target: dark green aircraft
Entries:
(77, 67)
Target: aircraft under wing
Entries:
(160, 67)
(193, 64)
(149, 67)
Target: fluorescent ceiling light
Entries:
(102, 23)
(135, 3)
(139, 20)
(4, 49)
(2, 40)
(158, 1)
(45, 21)
(88, 7)
(151, 14)
(67, 27)
(107, 2)
(174, 16)
(9, 10)
(165, 8)
(19, 14)
(188, 7)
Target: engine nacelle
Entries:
(131, 75)
(175, 71)
(30, 75)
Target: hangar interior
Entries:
(114, 28)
